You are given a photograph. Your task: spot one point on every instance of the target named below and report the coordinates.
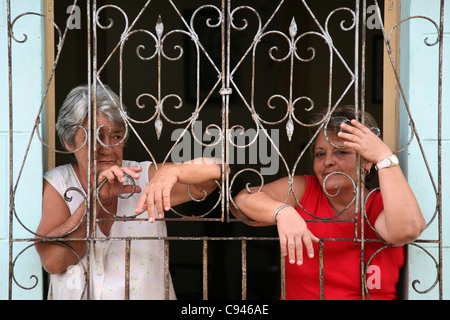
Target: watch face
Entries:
(394, 160)
(388, 162)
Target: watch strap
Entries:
(388, 162)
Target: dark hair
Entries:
(347, 112)
(333, 121)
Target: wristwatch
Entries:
(388, 162)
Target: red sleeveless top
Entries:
(342, 259)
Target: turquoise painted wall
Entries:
(28, 90)
(419, 79)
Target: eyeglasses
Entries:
(337, 120)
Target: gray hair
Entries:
(74, 110)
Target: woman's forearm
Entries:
(56, 257)
(259, 207)
(197, 171)
(403, 218)
(173, 184)
(292, 229)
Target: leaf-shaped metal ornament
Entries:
(289, 128)
(159, 27)
(158, 127)
(293, 28)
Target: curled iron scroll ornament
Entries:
(387, 39)
(36, 278)
(415, 282)
(247, 185)
(119, 195)
(159, 38)
(202, 215)
(290, 102)
(66, 198)
(292, 41)
(414, 132)
(61, 36)
(25, 37)
(332, 195)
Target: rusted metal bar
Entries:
(127, 269)
(244, 268)
(166, 271)
(91, 36)
(11, 201)
(321, 275)
(205, 269)
(283, 276)
(439, 194)
(360, 168)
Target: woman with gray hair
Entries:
(65, 215)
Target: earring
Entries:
(367, 172)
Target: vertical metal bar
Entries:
(244, 268)
(283, 276)
(93, 120)
(127, 268)
(360, 193)
(439, 196)
(89, 195)
(321, 275)
(226, 26)
(166, 270)
(11, 203)
(205, 269)
(357, 15)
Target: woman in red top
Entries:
(327, 201)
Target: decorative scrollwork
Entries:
(119, 195)
(417, 282)
(159, 38)
(25, 37)
(36, 278)
(288, 108)
(111, 21)
(343, 27)
(205, 214)
(331, 195)
(85, 142)
(247, 185)
(293, 40)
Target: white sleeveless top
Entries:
(107, 257)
